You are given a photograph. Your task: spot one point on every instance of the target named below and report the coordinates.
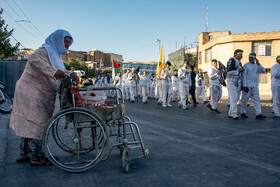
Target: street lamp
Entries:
(158, 40)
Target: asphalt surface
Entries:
(194, 147)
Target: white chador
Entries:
(251, 80)
(175, 88)
(184, 77)
(233, 83)
(132, 78)
(275, 87)
(144, 82)
(166, 89)
(214, 86)
(200, 85)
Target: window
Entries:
(208, 55)
(210, 37)
(263, 48)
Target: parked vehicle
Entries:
(6, 102)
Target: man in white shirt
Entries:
(175, 86)
(157, 90)
(166, 89)
(250, 78)
(184, 77)
(275, 86)
(200, 85)
(132, 78)
(144, 81)
(234, 70)
(214, 86)
(126, 84)
(118, 82)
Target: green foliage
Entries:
(192, 60)
(78, 65)
(6, 49)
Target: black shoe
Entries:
(132, 101)
(243, 115)
(217, 111)
(145, 102)
(228, 105)
(205, 102)
(194, 105)
(260, 116)
(209, 106)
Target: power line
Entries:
(17, 41)
(22, 19)
(21, 25)
(28, 19)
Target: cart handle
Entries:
(101, 88)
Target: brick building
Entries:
(221, 46)
(94, 59)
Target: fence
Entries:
(10, 72)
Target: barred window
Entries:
(262, 48)
(209, 55)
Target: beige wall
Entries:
(222, 52)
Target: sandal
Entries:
(43, 162)
(23, 158)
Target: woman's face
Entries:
(67, 41)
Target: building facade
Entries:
(143, 66)
(177, 58)
(221, 46)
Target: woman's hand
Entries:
(75, 77)
(59, 74)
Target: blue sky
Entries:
(129, 27)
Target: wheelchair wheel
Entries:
(63, 144)
(74, 139)
(6, 103)
(125, 160)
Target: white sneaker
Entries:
(164, 106)
(169, 105)
(185, 108)
(234, 116)
(277, 115)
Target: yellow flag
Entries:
(161, 62)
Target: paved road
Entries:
(187, 148)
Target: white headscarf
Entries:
(54, 45)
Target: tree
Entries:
(6, 49)
(78, 65)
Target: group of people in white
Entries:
(171, 86)
(243, 80)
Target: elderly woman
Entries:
(35, 95)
